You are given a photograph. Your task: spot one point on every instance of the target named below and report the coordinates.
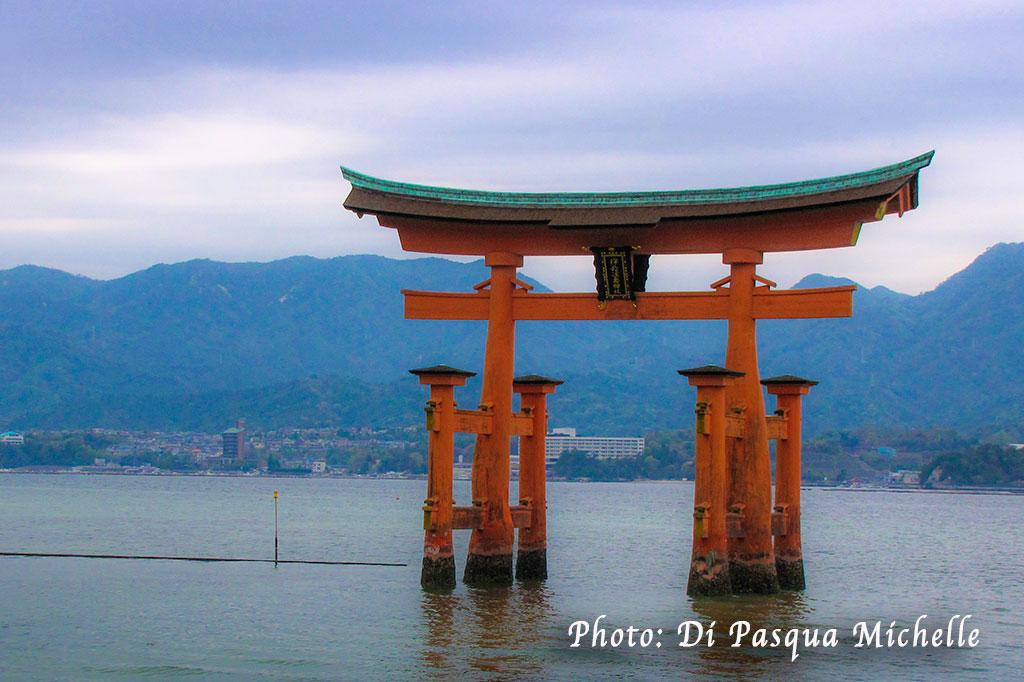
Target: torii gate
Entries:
(734, 520)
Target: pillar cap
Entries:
(788, 380)
(537, 379)
(710, 371)
(534, 384)
(441, 370)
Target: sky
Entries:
(135, 133)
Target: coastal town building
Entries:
(234, 442)
(905, 477)
(565, 439)
(11, 438)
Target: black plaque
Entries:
(619, 273)
(613, 268)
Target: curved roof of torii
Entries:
(781, 217)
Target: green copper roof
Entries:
(690, 196)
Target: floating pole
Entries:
(275, 528)
(205, 559)
(532, 554)
(789, 557)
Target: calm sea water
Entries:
(616, 549)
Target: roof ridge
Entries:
(646, 198)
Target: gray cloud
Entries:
(192, 131)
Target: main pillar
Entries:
(789, 557)
(532, 555)
(491, 545)
(751, 558)
(709, 561)
(438, 571)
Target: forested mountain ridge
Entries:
(193, 345)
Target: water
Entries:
(615, 549)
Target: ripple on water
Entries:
(616, 549)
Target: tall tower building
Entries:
(234, 442)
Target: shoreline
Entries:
(975, 490)
(971, 490)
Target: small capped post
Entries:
(709, 562)
(789, 560)
(438, 570)
(532, 551)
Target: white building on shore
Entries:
(564, 439)
(12, 438)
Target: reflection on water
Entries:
(507, 633)
(437, 620)
(487, 630)
(618, 551)
(746, 662)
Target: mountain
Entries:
(202, 326)
(311, 341)
(949, 357)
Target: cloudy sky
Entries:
(136, 133)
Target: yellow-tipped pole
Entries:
(275, 528)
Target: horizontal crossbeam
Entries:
(482, 422)
(778, 427)
(467, 518)
(522, 425)
(473, 421)
(710, 305)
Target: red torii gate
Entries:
(734, 520)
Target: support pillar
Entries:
(438, 571)
(491, 545)
(709, 561)
(789, 558)
(532, 555)
(751, 556)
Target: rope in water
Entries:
(196, 558)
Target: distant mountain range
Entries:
(304, 341)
